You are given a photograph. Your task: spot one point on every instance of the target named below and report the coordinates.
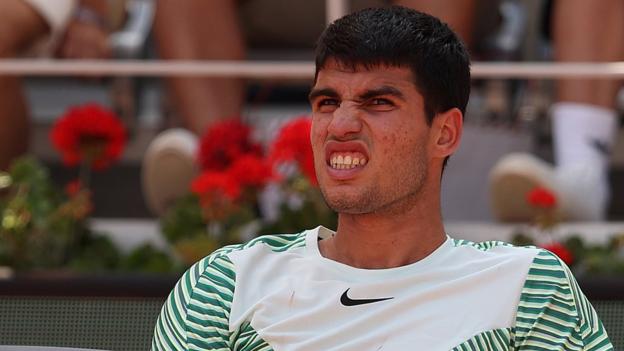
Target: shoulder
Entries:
(546, 277)
(549, 278)
(552, 312)
(544, 263)
(488, 245)
(221, 258)
(549, 290)
(198, 308)
(219, 262)
(277, 242)
(498, 250)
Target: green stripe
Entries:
(196, 313)
(552, 314)
(491, 340)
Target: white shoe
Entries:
(168, 168)
(584, 192)
(580, 191)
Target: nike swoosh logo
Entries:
(347, 301)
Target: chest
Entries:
(321, 312)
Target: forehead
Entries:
(346, 79)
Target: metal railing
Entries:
(282, 69)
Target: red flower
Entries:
(561, 251)
(89, 133)
(293, 144)
(249, 170)
(210, 183)
(541, 198)
(223, 143)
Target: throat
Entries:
(379, 252)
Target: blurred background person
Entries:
(584, 117)
(22, 23)
(584, 121)
(77, 29)
(458, 14)
(192, 30)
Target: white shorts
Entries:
(56, 13)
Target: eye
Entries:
(327, 104)
(381, 104)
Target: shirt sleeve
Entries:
(553, 313)
(195, 316)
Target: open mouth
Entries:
(349, 155)
(347, 160)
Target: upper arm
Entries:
(590, 329)
(196, 313)
(553, 313)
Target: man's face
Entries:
(369, 136)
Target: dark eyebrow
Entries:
(369, 94)
(329, 92)
(383, 90)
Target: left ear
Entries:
(446, 131)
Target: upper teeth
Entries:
(347, 161)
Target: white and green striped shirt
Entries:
(278, 293)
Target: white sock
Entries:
(583, 133)
(583, 138)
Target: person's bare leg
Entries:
(583, 119)
(200, 30)
(191, 30)
(458, 14)
(588, 31)
(20, 26)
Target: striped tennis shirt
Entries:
(279, 293)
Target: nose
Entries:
(345, 121)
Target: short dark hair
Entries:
(400, 37)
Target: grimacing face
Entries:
(369, 137)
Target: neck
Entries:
(389, 239)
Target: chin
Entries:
(348, 208)
(343, 203)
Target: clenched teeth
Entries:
(349, 161)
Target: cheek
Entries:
(319, 127)
(317, 137)
(397, 137)
(314, 132)
(402, 144)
